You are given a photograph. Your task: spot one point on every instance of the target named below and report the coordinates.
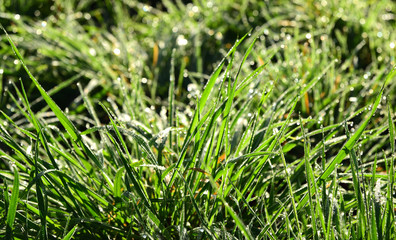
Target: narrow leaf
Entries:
(13, 205)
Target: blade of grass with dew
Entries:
(153, 215)
(188, 139)
(13, 205)
(310, 179)
(239, 223)
(289, 185)
(69, 126)
(41, 197)
(28, 114)
(229, 91)
(374, 230)
(351, 142)
(26, 132)
(202, 217)
(65, 199)
(209, 86)
(69, 157)
(56, 89)
(129, 132)
(224, 128)
(357, 185)
(261, 164)
(131, 173)
(354, 138)
(171, 96)
(65, 184)
(281, 132)
(194, 126)
(333, 196)
(203, 140)
(358, 191)
(18, 150)
(391, 177)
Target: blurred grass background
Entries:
(61, 40)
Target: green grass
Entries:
(204, 120)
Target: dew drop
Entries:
(181, 40)
(146, 8)
(116, 51)
(92, 52)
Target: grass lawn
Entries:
(202, 119)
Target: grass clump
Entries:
(200, 120)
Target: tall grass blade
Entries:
(355, 137)
(69, 126)
(13, 204)
(390, 214)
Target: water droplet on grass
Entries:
(92, 52)
(117, 51)
(266, 32)
(181, 40)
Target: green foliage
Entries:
(203, 120)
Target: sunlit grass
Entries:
(212, 120)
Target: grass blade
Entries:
(68, 125)
(70, 234)
(355, 137)
(13, 204)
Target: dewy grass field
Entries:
(212, 119)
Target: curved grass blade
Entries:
(355, 137)
(67, 124)
(351, 142)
